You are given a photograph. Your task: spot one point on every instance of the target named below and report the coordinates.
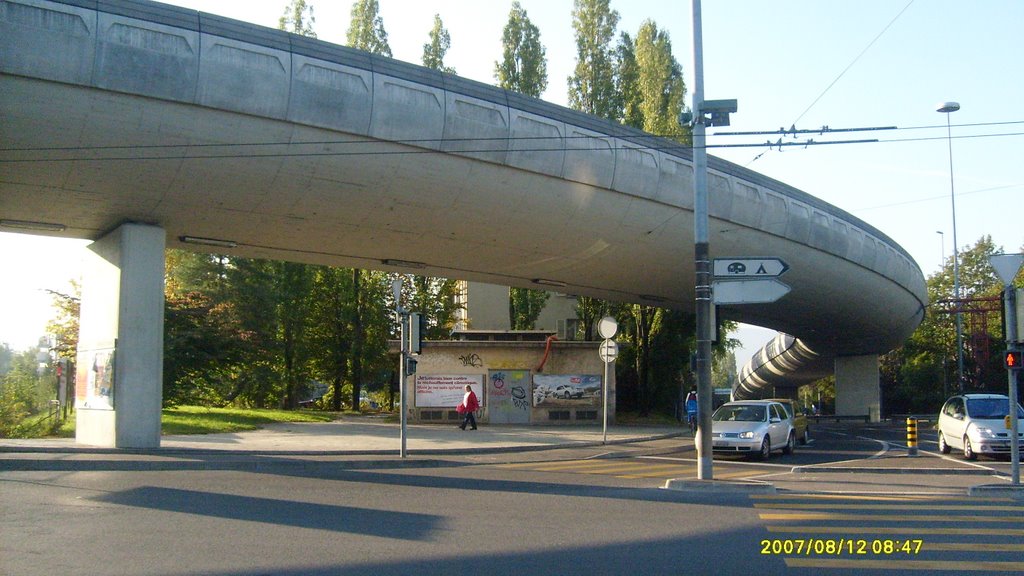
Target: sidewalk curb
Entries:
(719, 486)
(997, 490)
(882, 470)
(182, 458)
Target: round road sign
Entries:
(608, 350)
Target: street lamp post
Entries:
(942, 266)
(948, 108)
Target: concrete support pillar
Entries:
(119, 383)
(857, 387)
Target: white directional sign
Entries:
(749, 267)
(609, 350)
(748, 291)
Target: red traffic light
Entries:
(1012, 359)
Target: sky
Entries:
(802, 63)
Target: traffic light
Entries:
(417, 331)
(1012, 359)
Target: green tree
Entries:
(524, 66)
(6, 357)
(332, 332)
(592, 87)
(24, 390)
(200, 350)
(293, 289)
(652, 83)
(298, 19)
(627, 82)
(435, 50)
(366, 29)
(525, 306)
(64, 325)
(918, 376)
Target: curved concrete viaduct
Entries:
(135, 113)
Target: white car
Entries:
(976, 424)
(752, 427)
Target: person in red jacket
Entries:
(467, 407)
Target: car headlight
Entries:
(747, 435)
(985, 432)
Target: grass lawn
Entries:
(202, 420)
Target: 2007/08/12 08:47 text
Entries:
(840, 546)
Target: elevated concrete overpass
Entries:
(142, 125)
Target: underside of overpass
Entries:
(265, 144)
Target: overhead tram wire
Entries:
(843, 73)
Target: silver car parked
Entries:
(752, 427)
(976, 424)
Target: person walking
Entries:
(467, 407)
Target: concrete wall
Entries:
(485, 359)
(487, 306)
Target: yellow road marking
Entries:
(971, 547)
(903, 530)
(872, 497)
(884, 517)
(630, 469)
(926, 507)
(677, 472)
(939, 565)
(566, 465)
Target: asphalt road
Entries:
(559, 512)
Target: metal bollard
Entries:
(911, 436)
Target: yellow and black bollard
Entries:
(911, 436)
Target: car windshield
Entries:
(990, 408)
(739, 413)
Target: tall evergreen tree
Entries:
(652, 83)
(298, 19)
(366, 29)
(437, 47)
(592, 85)
(524, 66)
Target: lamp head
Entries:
(948, 107)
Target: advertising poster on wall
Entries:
(566, 390)
(96, 370)
(446, 390)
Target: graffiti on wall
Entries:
(508, 392)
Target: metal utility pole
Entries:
(701, 257)
(1007, 266)
(948, 108)
(403, 321)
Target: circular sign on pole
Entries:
(607, 327)
(608, 351)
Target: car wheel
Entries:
(790, 443)
(969, 450)
(943, 447)
(805, 437)
(766, 448)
